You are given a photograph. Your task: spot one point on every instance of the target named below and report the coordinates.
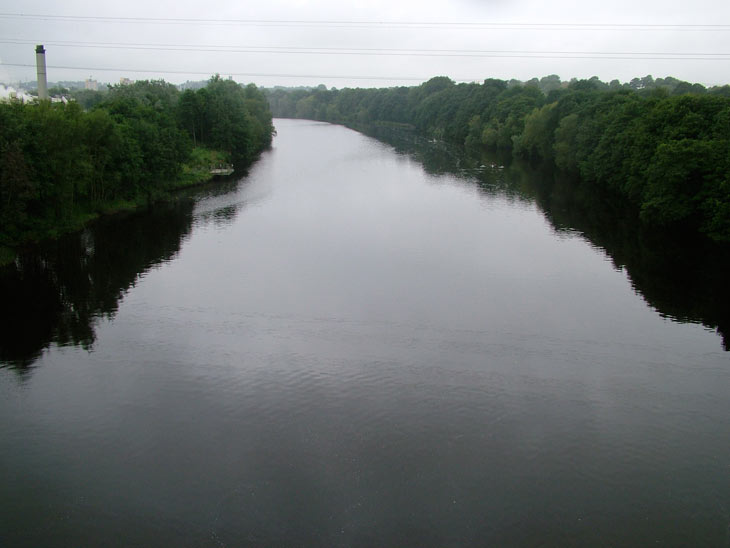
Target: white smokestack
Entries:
(40, 61)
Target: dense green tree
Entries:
(88, 98)
(60, 164)
(660, 143)
(227, 116)
(537, 138)
(564, 146)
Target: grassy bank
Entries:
(197, 170)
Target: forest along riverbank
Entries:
(661, 145)
(61, 166)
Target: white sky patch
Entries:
(4, 76)
(377, 43)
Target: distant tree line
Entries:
(664, 144)
(61, 164)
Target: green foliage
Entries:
(88, 98)
(197, 168)
(662, 144)
(156, 94)
(564, 144)
(58, 91)
(674, 178)
(229, 117)
(60, 165)
(536, 140)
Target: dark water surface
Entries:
(357, 345)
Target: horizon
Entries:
(25, 84)
(293, 43)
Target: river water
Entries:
(364, 344)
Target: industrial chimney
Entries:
(40, 61)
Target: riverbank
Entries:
(197, 171)
(662, 147)
(62, 167)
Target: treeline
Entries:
(664, 145)
(61, 165)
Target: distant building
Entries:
(91, 84)
(125, 81)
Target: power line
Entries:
(381, 24)
(382, 51)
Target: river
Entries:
(361, 343)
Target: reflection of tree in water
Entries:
(213, 202)
(681, 278)
(56, 292)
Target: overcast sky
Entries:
(526, 39)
